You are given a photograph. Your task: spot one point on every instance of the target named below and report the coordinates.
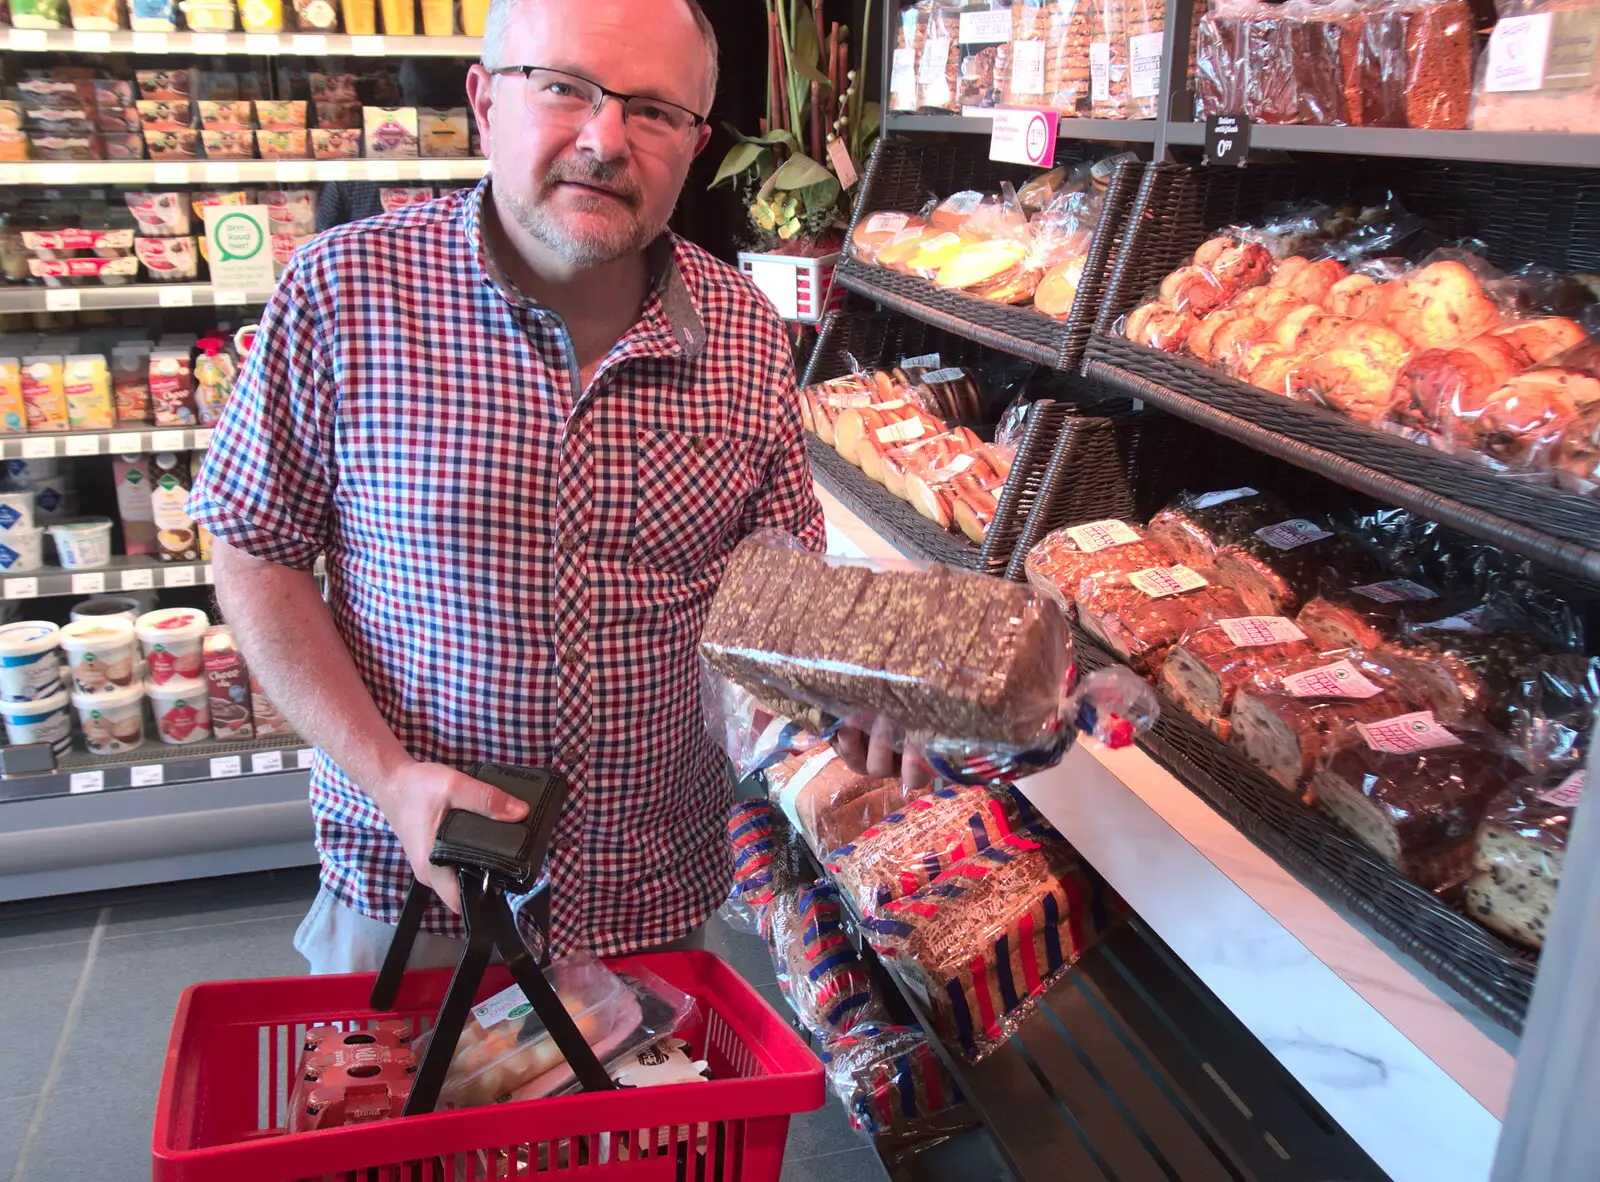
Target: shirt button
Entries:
(571, 754)
(571, 654)
(569, 540)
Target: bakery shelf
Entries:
(124, 441)
(123, 573)
(1569, 150)
(222, 172)
(134, 295)
(255, 44)
(1116, 131)
(154, 763)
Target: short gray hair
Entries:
(496, 27)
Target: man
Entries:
(526, 427)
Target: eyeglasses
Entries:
(554, 94)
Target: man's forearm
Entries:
(288, 636)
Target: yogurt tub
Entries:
(21, 550)
(16, 512)
(48, 720)
(112, 722)
(172, 640)
(83, 543)
(101, 653)
(181, 710)
(30, 661)
(97, 607)
(209, 18)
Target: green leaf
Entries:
(821, 196)
(871, 119)
(800, 172)
(740, 158)
(803, 61)
(780, 136)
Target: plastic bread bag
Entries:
(893, 467)
(1063, 559)
(1146, 25)
(1196, 526)
(1553, 711)
(963, 491)
(1217, 656)
(1219, 60)
(877, 230)
(820, 974)
(907, 49)
(753, 736)
(990, 934)
(985, 38)
(828, 804)
(1278, 567)
(1068, 32)
(954, 393)
(1316, 36)
(1417, 807)
(1109, 75)
(1349, 613)
(505, 1052)
(1271, 93)
(892, 1085)
(1536, 419)
(823, 407)
(939, 62)
(1139, 615)
(1040, 190)
(1440, 43)
(1518, 857)
(765, 860)
(1518, 89)
(964, 663)
(931, 833)
(1029, 51)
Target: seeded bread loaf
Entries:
(1063, 559)
(1209, 664)
(1517, 860)
(1194, 527)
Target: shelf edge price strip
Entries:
(147, 775)
(27, 588)
(226, 765)
(82, 782)
(266, 761)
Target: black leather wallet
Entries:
(510, 850)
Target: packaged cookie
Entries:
(390, 132)
(333, 88)
(64, 146)
(442, 132)
(281, 145)
(335, 144)
(172, 145)
(336, 113)
(123, 146)
(168, 84)
(1146, 26)
(1109, 80)
(228, 145)
(225, 116)
(281, 116)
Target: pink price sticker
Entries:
(1158, 582)
(1102, 535)
(1395, 591)
(1249, 631)
(1569, 795)
(1407, 734)
(1297, 531)
(1338, 680)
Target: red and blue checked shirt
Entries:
(520, 567)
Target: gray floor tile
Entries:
(46, 929)
(827, 1130)
(747, 953)
(216, 900)
(961, 1158)
(14, 1116)
(852, 1165)
(37, 984)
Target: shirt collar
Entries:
(670, 312)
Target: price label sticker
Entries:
(89, 583)
(22, 588)
(166, 440)
(266, 761)
(222, 173)
(209, 580)
(294, 171)
(263, 44)
(226, 765)
(147, 775)
(1223, 496)
(304, 757)
(1297, 531)
(1102, 535)
(86, 41)
(1249, 631)
(62, 299)
(125, 443)
(310, 44)
(41, 448)
(83, 445)
(29, 40)
(331, 170)
(178, 576)
(367, 46)
(1338, 680)
(228, 296)
(434, 170)
(10, 174)
(1227, 139)
(172, 174)
(209, 42)
(1158, 582)
(201, 439)
(58, 174)
(138, 580)
(1406, 733)
(151, 43)
(177, 297)
(1395, 591)
(383, 170)
(94, 781)
(1569, 795)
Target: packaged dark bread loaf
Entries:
(1518, 856)
(821, 976)
(1553, 710)
(1213, 660)
(1064, 558)
(993, 932)
(1367, 615)
(1197, 525)
(1419, 811)
(943, 652)
(892, 1085)
(1278, 567)
(1140, 615)
(1476, 659)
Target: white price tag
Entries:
(22, 588)
(331, 170)
(1100, 71)
(208, 42)
(147, 775)
(166, 440)
(201, 439)
(311, 44)
(208, 579)
(1211, 499)
(88, 41)
(222, 173)
(94, 781)
(1159, 581)
(41, 448)
(89, 583)
(138, 580)
(294, 171)
(226, 765)
(383, 170)
(62, 299)
(225, 296)
(83, 445)
(1287, 535)
(1406, 734)
(1395, 591)
(1518, 48)
(178, 576)
(367, 46)
(29, 40)
(172, 174)
(1250, 631)
(1102, 535)
(261, 44)
(303, 758)
(266, 761)
(1024, 137)
(1569, 794)
(1027, 67)
(434, 170)
(901, 432)
(124, 444)
(58, 174)
(10, 174)
(177, 297)
(1338, 680)
(150, 43)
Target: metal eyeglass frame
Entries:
(697, 121)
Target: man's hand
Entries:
(869, 753)
(415, 800)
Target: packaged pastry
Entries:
(128, 146)
(1026, 82)
(1062, 560)
(823, 979)
(172, 145)
(939, 62)
(37, 14)
(338, 114)
(172, 383)
(1213, 660)
(1139, 615)
(993, 932)
(1198, 525)
(1440, 39)
(390, 132)
(1367, 615)
(44, 393)
(228, 145)
(316, 16)
(442, 132)
(167, 85)
(393, 199)
(283, 248)
(281, 145)
(49, 146)
(903, 69)
(344, 1077)
(175, 260)
(291, 211)
(1144, 30)
(116, 120)
(1520, 88)
(1518, 856)
(1109, 76)
(335, 144)
(281, 116)
(333, 87)
(225, 116)
(160, 215)
(204, 199)
(893, 1086)
(1553, 710)
(227, 685)
(13, 410)
(166, 114)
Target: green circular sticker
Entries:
(519, 1011)
(236, 236)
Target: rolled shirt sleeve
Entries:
(266, 483)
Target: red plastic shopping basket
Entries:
(235, 1048)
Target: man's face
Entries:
(591, 190)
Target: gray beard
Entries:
(589, 249)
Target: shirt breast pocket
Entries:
(690, 492)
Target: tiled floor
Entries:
(90, 984)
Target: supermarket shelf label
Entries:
(88, 41)
(311, 44)
(294, 171)
(227, 296)
(138, 580)
(151, 43)
(10, 174)
(176, 297)
(83, 445)
(223, 766)
(264, 44)
(89, 583)
(125, 443)
(81, 782)
(62, 299)
(222, 174)
(166, 440)
(383, 170)
(331, 170)
(367, 46)
(304, 757)
(434, 170)
(200, 439)
(266, 761)
(209, 42)
(147, 775)
(208, 577)
(1024, 137)
(23, 588)
(42, 448)
(29, 40)
(178, 576)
